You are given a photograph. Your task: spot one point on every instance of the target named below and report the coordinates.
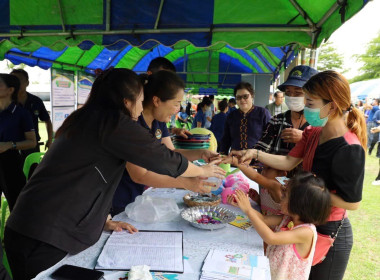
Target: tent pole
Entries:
(303, 14)
(333, 8)
(303, 56)
(108, 15)
(159, 14)
(61, 14)
(285, 28)
(313, 56)
(208, 66)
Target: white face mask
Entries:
(295, 104)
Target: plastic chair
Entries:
(30, 160)
(4, 206)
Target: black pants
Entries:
(12, 178)
(334, 266)
(27, 257)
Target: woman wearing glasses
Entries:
(244, 127)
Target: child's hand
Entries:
(231, 200)
(242, 201)
(254, 195)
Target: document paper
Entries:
(161, 250)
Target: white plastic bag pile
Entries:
(147, 209)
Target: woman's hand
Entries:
(194, 184)
(245, 156)
(291, 135)
(231, 160)
(181, 132)
(119, 226)
(242, 201)
(209, 156)
(212, 170)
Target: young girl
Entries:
(305, 202)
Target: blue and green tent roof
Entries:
(196, 65)
(146, 23)
(82, 33)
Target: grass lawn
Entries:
(364, 262)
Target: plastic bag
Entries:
(147, 209)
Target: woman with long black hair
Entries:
(64, 206)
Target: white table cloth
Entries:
(197, 242)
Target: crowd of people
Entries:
(107, 152)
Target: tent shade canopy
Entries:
(363, 89)
(213, 24)
(221, 68)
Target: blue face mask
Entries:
(313, 118)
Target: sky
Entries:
(352, 37)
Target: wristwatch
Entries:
(14, 146)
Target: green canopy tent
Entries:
(242, 24)
(199, 30)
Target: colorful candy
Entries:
(206, 219)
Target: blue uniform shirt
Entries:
(37, 110)
(128, 190)
(372, 113)
(199, 117)
(217, 125)
(14, 122)
(183, 115)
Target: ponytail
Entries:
(356, 124)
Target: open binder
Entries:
(161, 250)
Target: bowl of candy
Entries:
(208, 217)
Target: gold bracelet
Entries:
(257, 154)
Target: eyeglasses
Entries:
(240, 97)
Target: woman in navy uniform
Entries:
(16, 133)
(163, 94)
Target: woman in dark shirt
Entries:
(334, 149)
(16, 133)
(163, 94)
(244, 127)
(64, 206)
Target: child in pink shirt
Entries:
(305, 202)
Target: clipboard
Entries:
(103, 255)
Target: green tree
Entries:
(371, 61)
(330, 59)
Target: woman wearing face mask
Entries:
(244, 127)
(281, 134)
(333, 147)
(163, 94)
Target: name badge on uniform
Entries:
(158, 133)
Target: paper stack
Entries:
(226, 265)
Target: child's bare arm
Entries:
(262, 223)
